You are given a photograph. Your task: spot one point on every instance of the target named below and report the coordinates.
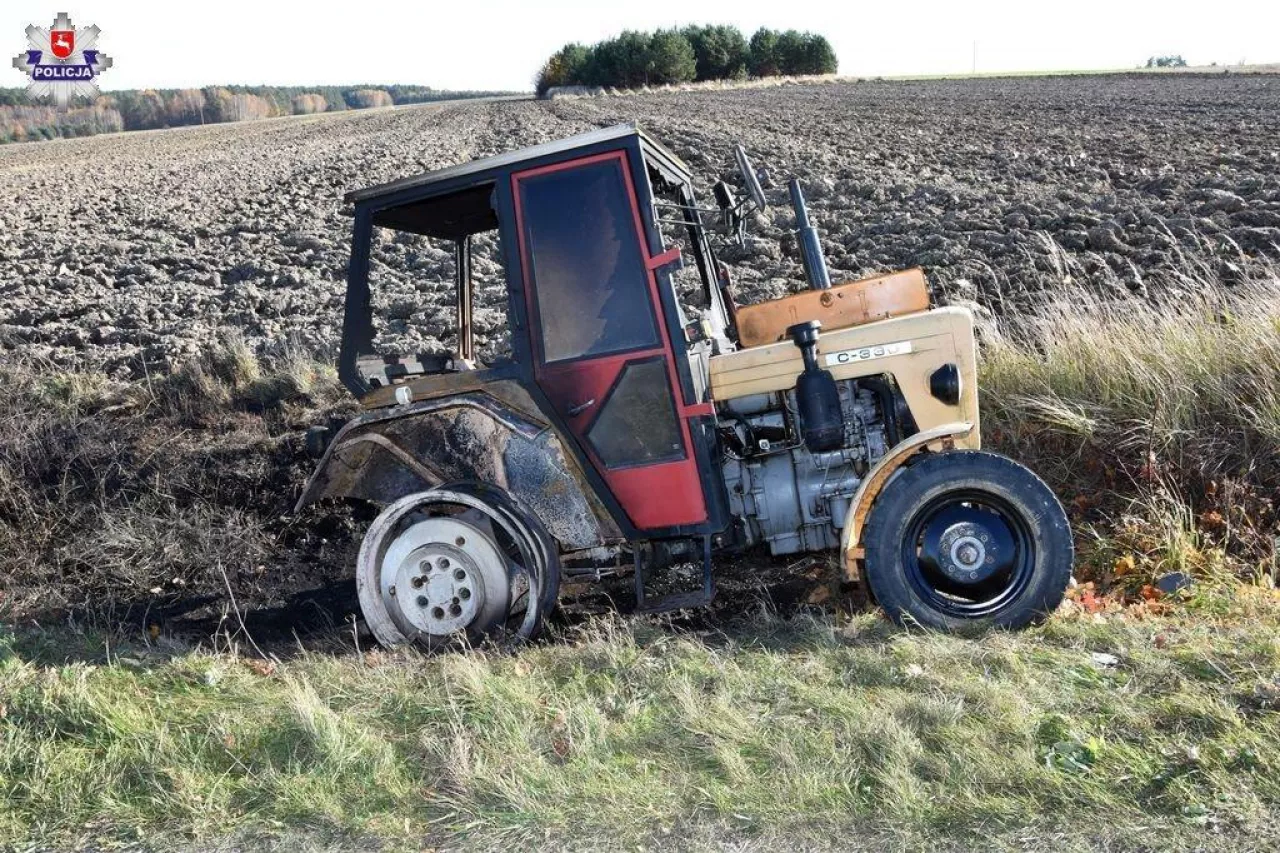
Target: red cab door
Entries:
(603, 354)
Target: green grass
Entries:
(800, 732)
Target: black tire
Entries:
(927, 536)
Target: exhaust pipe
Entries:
(815, 265)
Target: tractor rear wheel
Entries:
(966, 540)
(455, 566)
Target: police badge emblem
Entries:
(62, 62)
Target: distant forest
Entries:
(694, 53)
(147, 109)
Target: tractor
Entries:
(628, 432)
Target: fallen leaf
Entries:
(1151, 593)
(1090, 602)
(1137, 610)
(819, 594)
(1212, 520)
(1124, 565)
(560, 741)
(261, 667)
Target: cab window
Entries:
(588, 273)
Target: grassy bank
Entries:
(1158, 423)
(1122, 730)
(1135, 719)
(1192, 380)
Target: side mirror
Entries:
(750, 178)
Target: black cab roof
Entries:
(446, 179)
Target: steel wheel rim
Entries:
(431, 577)
(946, 556)
(391, 631)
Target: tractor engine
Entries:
(782, 491)
(794, 459)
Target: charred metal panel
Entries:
(392, 452)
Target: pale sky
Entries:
(495, 44)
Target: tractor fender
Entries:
(939, 437)
(387, 453)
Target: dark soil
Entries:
(136, 250)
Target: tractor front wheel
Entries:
(966, 540)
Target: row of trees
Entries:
(146, 109)
(693, 53)
(21, 123)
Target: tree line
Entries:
(148, 109)
(694, 53)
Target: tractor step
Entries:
(652, 557)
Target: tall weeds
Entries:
(1195, 378)
(1157, 418)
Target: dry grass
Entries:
(1157, 418)
(1193, 379)
(114, 493)
(803, 733)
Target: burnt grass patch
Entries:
(165, 507)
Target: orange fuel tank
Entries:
(841, 306)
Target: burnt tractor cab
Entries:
(627, 429)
